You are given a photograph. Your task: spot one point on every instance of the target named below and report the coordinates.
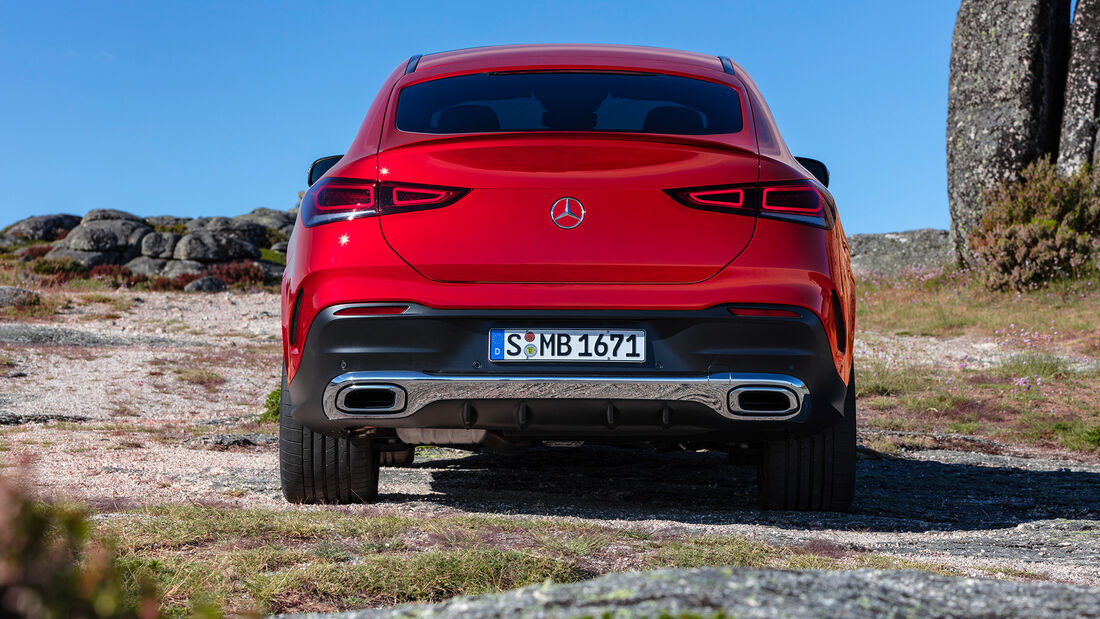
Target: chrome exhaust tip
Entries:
(753, 400)
(370, 399)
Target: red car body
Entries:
(673, 225)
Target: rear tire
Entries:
(399, 459)
(815, 472)
(317, 468)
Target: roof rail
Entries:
(727, 64)
(409, 68)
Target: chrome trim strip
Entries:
(422, 389)
(793, 402)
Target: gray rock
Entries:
(42, 227)
(207, 246)
(102, 214)
(268, 218)
(287, 231)
(897, 252)
(247, 231)
(167, 221)
(206, 284)
(88, 259)
(10, 419)
(26, 334)
(121, 236)
(1079, 120)
(220, 442)
(144, 265)
(1008, 61)
(280, 247)
(13, 296)
(175, 268)
(273, 272)
(159, 244)
(754, 594)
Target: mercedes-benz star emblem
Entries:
(567, 213)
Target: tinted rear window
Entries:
(642, 103)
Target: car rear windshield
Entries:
(639, 103)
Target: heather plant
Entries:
(1044, 227)
(242, 274)
(115, 275)
(58, 266)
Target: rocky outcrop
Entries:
(1079, 121)
(896, 253)
(39, 228)
(1008, 60)
(103, 237)
(162, 246)
(753, 593)
(206, 284)
(206, 246)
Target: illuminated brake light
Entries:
(373, 310)
(793, 200)
(771, 313)
(733, 198)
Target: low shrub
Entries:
(35, 252)
(242, 274)
(270, 413)
(166, 284)
(58, 266)
(1045, 226)
(116, 275)
(52, 567)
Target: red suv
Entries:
(593, 243)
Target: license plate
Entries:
(621, 345)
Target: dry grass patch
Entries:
(247, 561)
(1034, 399)
(955, 303)
(202, 377)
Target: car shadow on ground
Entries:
(702, 488)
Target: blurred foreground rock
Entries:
(746, 593)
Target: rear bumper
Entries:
(687, 388)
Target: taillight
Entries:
(421, 196)
(345, 199)
(797, 201)
(794, 200)
(732, 198)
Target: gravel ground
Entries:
(150, 436)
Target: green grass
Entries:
(273, 256)
(1043, 365)
(877, 378)
(270, 413)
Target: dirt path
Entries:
(148, 390)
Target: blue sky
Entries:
(217, 108)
